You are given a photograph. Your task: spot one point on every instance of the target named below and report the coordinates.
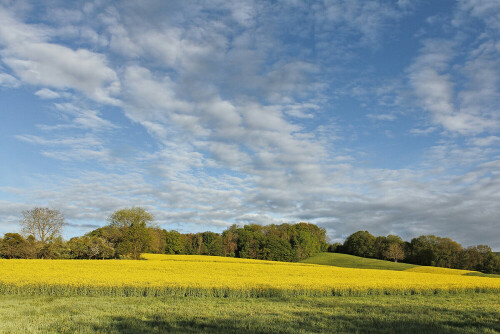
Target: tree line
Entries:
(131, 231)
(425, 250)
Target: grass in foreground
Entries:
(180, 275)
(474, 313)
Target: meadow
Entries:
(351, 261)
(441, 313)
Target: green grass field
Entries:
(351, 261)
(475, 313)
(482, 275)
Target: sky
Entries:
(378, 115)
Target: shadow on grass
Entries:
(363, 319)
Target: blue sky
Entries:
(354, 115)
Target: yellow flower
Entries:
(221, 276)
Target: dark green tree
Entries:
(360, 243)
(250, 239)
(277, 249)
(336, 247)
(56, 248)
(13, 246)
(424, 250)
(212, 244)
(174, 243)
(380, 247)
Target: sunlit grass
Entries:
(351, 261)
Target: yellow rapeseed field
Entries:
(219, 276)
(438, 270)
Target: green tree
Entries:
(429, 250)
(133, 225)
(481, 258)
(56, 248)
(78, 247)
(90, 247)
(336, 247)
(174, 243)
(157, 242)
(13, 246)
(448, 253)
(135, 240)
(423, 250)
(250, 239)
(306, 239)
(360, 243)
(380, 247)
(212, 243)
(112, 235)
(277, 249)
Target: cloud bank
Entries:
(213, 113)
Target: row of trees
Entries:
(131, 232)
(285, 242)
(426, 250)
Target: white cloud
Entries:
(433, 80)
(84, 118)
(46, 94)
(485, 141)
(244, 125)
(301, 110)
(73, 148)
(38, 62)
(366, 18)
(149, 98)
(65, 141)
(423, 131)
(8, 80)
(487, 10)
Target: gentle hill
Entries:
(351, 261)
(475, 273)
